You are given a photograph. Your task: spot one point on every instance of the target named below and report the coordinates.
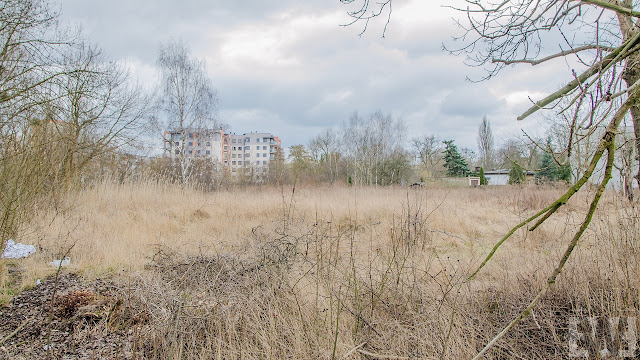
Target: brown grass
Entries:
(341, 272)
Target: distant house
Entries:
(497, 177)
(474, 181)
(501, 177)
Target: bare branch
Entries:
(612, 6)
(557, 55)
(623, 51)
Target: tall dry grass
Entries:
(341, 272)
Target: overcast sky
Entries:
(290, 68)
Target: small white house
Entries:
(497, 177)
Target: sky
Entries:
(291, 68)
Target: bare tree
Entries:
(93, 108)
(188, 100)
(429, 152)
(600, 39)
(601, 89)
(485, 143)
(30, 59)
(374, 145)
(324, 148)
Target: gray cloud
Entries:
(289, 67)
(471, 101)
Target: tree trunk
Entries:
(630, 75)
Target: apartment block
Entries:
(252, 150)
(233, 151)
(197, 143)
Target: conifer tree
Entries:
(454, 162)
(483, 179)
(550, 171)
(516, 175)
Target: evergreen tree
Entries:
(516, 175)
(454, 162)
(550, 171)
(483, 179)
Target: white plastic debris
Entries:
(61, 263)
(17, 251)
(38, 282)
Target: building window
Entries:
(239, 162)
(258, 140)
(225, 162)
(246, 148)
(257, 162)
(264, 162)
(199, 152)
(208, 143)
(247, 155)
(264, 148)
(177, 152)
(265, 139)
(177, 143)
(233, 163)
(233, 156)
(225, 148)
(233, 141)
(208, 152)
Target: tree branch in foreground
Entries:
(623, 51)
(550, 57)
(607, 143)
(612, 6)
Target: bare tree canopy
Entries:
(32, 53)
(375, 146)
(93, 106)
(188, 99)
(429, 152)
(62, 106)
(485, 143)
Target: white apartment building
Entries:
(197, 143)
(235, 152)
(252, 150)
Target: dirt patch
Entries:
(87, 322)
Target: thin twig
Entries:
(353, 350)
(14, 332)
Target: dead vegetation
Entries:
(361, 273)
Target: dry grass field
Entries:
(336, 272)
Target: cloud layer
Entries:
(291, 69)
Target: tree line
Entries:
(370, 150)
